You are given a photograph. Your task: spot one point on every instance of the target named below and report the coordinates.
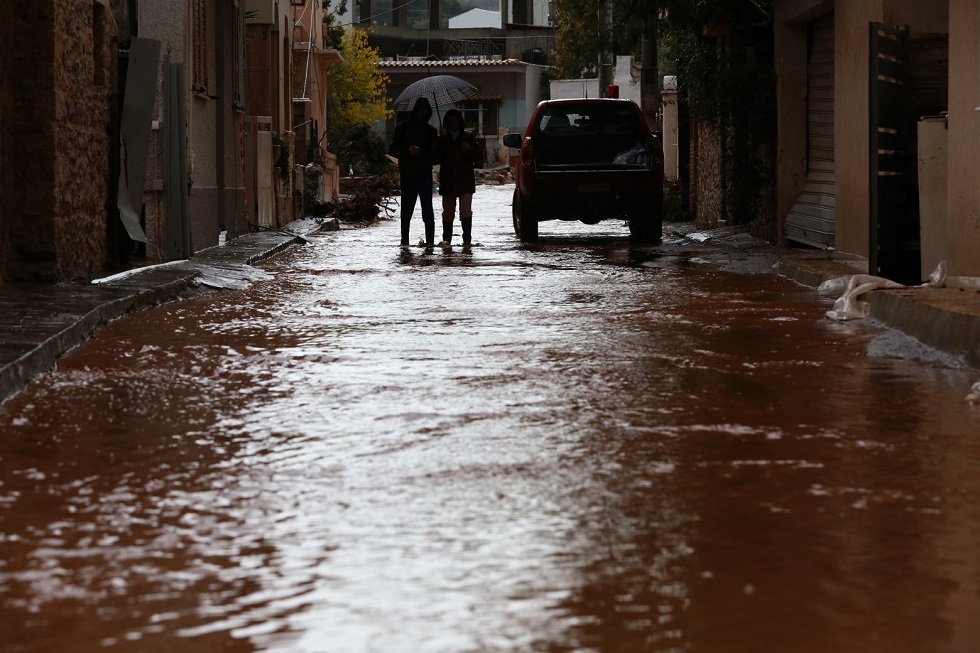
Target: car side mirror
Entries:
(513, 140)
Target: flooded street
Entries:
(578, 445)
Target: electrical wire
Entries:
(309, 48)
(383, 13)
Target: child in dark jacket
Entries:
(457, 151)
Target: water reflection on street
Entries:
(579, 445)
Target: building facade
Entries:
(855, 80)
(124, 132)
(195, 183)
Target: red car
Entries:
(588, 159)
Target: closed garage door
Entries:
(812, 219)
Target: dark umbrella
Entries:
(440, 90)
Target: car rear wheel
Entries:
(643, 230)
(650, 228)
(525, 223)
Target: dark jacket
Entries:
(414, 131)
(456, 175)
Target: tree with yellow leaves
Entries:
(357, 99)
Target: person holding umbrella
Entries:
(457, 151)
(413, 144)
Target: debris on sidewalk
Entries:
(227, 276)
(495, 176)
(849, 307)
(368, 198)
(974, 396)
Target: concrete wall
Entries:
(790, 43)
(168, 22)
(58, 60)
(276, 73)
(963, 221)
(851, 135)
(203, 141)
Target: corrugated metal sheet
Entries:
(448, 63)
(812, 220)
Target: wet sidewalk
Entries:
(40, 322)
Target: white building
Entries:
(476, 18)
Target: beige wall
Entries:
(963, 222)
(930, 17)
(216, 198)
(851, 135)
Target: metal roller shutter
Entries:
(812, 219)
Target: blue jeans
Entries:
(417, 186)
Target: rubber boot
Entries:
(447, 231)
(406, 224)
(467, 224)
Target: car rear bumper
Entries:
(593, 195)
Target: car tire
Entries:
(525, 223)
(649, 229)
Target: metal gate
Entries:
(812, 220)
(894, 229)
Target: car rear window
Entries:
(588, 119)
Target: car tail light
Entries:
(527, 154)
(656, 150)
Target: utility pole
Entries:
(649, 73)
(605, 47)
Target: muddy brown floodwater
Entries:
(580, 445)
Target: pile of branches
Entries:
(369, 199)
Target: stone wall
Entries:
(718, 195)
(58, 58)
(707, 178)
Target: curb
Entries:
(945, 319)
(812, 272)
(937, 318)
